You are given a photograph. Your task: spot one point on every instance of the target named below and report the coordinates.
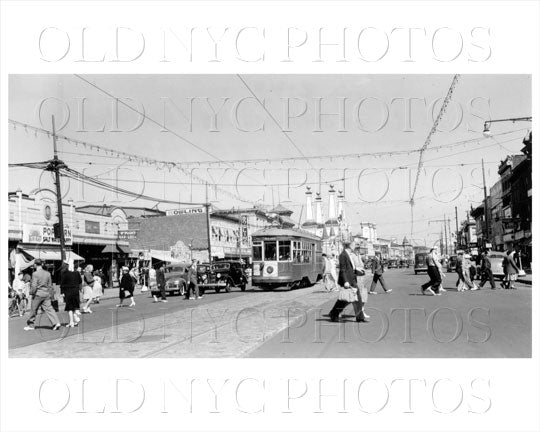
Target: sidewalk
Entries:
(527, 279)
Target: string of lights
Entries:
(107, 152)
(426, 144)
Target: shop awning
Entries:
(115, 248)
(163, 256)
(52, 255)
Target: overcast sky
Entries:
(372, 118)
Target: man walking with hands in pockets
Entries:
(377, 268)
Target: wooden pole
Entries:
(56, 164)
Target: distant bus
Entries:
(286, 257)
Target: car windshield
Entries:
(221, 267)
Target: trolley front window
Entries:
(257, 251)
(270, 251)
(284, 250)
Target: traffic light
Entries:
(56, 228)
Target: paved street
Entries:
(283, 323)
(457, 328)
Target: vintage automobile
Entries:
(392, 263)
(403, 263)
(176, 278)
(496, 260)
(222, 275)
(451, 264)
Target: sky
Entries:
(191, 120)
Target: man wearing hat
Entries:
(347, 281)
(41, 289)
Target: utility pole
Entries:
(54, 165)
(207, 205)
(457, 231)
(445, 236)
(443, 226)
(486, 212)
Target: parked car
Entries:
(222, 275)
(420, 262)
(176, 278)
(496, 260)
(451, 264)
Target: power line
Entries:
(274, 120)
(146, 117)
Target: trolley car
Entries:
(286, 257)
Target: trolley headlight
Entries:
(269, 269)
(218, 275)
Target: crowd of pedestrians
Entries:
(347, 275)
(79, 288)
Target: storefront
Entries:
(88, 235)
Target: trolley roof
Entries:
(285, 232)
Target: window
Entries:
(257, 251)
(270, 251)
(303, 252)
(284, 250)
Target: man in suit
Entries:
(485, 269)
(377, 269)
(41, 291)
(347, 280)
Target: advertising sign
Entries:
(43, 234)
(177, 212)
(244, 233)
(91, 227)
(127, 234)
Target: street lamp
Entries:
(487, 133)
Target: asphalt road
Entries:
(106, 314)
(474, 324)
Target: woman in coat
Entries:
(127, 286)
(70, 286)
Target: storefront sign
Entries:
(127, 234)
(184, 211)
(43, 234)
(472, 234)
(245, 251)
(218, 251)
(91, 227)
